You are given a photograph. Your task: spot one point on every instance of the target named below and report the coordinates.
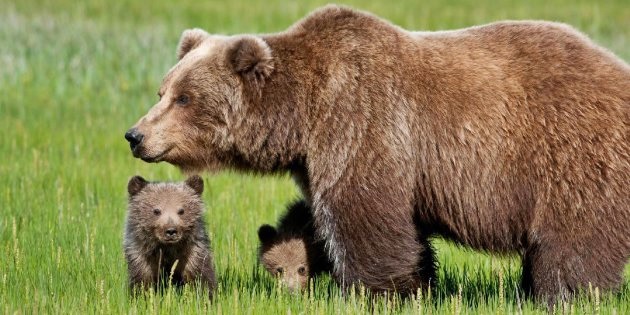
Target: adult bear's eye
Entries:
(302, 271)
(182, 100)
(157, 211)
(180, 212)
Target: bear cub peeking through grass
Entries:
(292, 252)
(165, 240)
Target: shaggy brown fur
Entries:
(291, 251)
(507, 137)
(165, 227)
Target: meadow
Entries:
(75, 75)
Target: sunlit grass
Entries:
(75, 75)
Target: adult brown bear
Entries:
(508, 137)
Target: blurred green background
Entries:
(75, 75)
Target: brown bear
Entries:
(165, 238)
(511, 137)
(291, 251)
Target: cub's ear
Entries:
(196, 183)
(251, 57)
(136, 184)
(189, 40)
(266, 233)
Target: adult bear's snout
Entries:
(134, 137)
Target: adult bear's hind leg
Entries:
(555, 269)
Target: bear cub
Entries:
(165, 240)
(291, 251)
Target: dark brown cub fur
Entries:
(165, 237)
(291, 251)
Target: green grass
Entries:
(74, 76)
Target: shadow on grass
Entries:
(479, 285)
(472, 285)
(260, 281)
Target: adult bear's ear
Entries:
(136, 184)
(189, 40)
(196, 183)
(251, 57)
(266, 233)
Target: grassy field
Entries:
(75, 75)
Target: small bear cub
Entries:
(165, 240)
(292, 252)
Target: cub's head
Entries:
(285, 258)
(201, 100)
(164, 213)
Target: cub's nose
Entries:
(171, 232)
(134, 137)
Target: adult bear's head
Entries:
(202, 100)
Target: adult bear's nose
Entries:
(171, 232)
(134, 137)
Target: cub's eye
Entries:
(182, 100)
(302, 270)
(279, 270)
(180, 212)
(157, 211)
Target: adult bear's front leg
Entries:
(360, 163)
(372, 240)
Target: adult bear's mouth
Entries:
(150, 159)
(139, 153)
